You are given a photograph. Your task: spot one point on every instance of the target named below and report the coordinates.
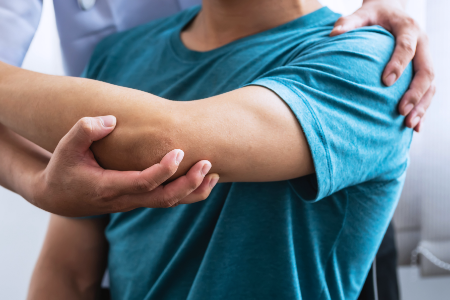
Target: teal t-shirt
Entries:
(309, 238)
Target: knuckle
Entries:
(168, 170)
(415, 96)
(413, 22)
(204, 195)
(193, 184)
(104, 194)
(107, 196)
(410, 22)
(167, 201)
(396, 64)
(420, 110)
(148, 184)
(86, 125)
(406, 45)
(429, 72)
(433, 89)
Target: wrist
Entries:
(34, 183)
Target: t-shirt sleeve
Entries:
(350, 119)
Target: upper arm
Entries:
(72, 260)
(249, 135)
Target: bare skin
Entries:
(237, 132)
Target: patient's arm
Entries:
(248, 134)
(72, 260)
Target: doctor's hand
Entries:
(74, 185)
(411, 44)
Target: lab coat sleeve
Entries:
(19, 20)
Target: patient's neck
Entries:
(223, 21)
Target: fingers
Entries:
(195, 186)
(423, 78)
(203, 191)
(417, 89)
(407, 37)
(358, 19)
(115, 183)
(418, 127)
(174, 192)
(86, 131)
(191, 188)
(414, 118)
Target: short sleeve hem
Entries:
(305, 187)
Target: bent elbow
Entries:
(135, 146)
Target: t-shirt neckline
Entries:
(315, 18)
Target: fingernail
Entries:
(415, 121)
(108, 121)
(180, 156)
(213, 181)
(206, 169)
(407, 109)
(390, 79)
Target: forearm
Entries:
(43, 108)
(21, 163)
(51, 282)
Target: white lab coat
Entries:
(79, 30)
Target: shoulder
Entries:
(356, 58)
(365, 49)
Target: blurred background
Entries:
(422, 217)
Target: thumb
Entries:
(344, 24)
(86, 131)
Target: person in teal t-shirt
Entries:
(312, 237)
